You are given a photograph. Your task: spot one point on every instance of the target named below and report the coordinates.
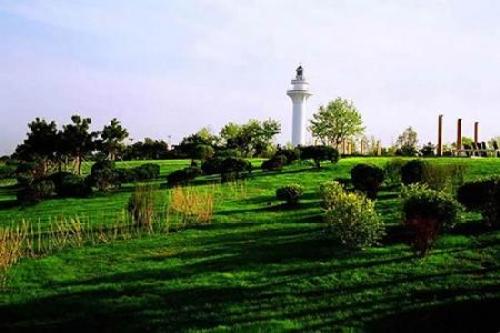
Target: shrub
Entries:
(319, 154)
(183, 176)
(367, 178)
(274, 164)
(413, 172)
(124, 176)
(212, 166)
(36, 191)
(102, 175)
(231, 168)
(147, 171)
(192, 206)
(482, 196)
(7, 171)
(73, 186)
(290, 194)
(392, 170)
(25, 173)
(141, 206)
(225, 153)
(426, 212)
(291, 155)
(442, 177)
(203, 152)
(351, 217)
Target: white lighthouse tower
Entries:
(299, 95)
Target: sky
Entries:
(168, 68)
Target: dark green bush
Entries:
(367, 178)
(231, 168)
(74, 186)
(274, 164)
(290, 194)
(103, 175)
(319, 154)
(147, 171)
(291, 155)
(212, 166)
(7, 171)
(36, 192)
(442, 177)
(413, 172)
(203, 152)
(25, 173)
(183, 176)
(482, 196)
(426, 212)
(225, 153)
(124, 176)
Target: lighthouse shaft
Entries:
(299, 95)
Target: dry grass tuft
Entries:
(191, 205)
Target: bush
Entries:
(351, 217)
(212, 166)
(225, 153)
(147, 171)
(441, 177)
(231, 168)
(102, 175)
(482, 196)
(25, 173)
(392, 170)
(36, 192)
(291, 155)
(274, 164)
(183, 176)
(367, 178)
(290, 194)
(319, 154)
(7, 171)
(124, 176)
(426, 212)
(203, 152)
(413, 172)
(73, 186)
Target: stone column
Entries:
(440, 136)
(459, 136)
(476, 132)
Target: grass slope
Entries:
(257, 268)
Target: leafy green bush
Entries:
(231, 168)
(351, 217)
(392, 170)
(124, 176)
(147, 171)
(290, 193)
(291, 155)
(225, 153)
(141, 206)
(183, 176)
(7, 171)
(212, 166)
(73, 186)
(319, 154)
(441, 177)
(203, 152)
(274, 164)
(102, 175)
(36, 192)
(367, 178)
(426, 212)
(413, 172)
(482, 196)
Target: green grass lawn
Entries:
(256, 268)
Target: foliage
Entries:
(290, 193)
(147, 171)
(103, 176)
(7, 171)
(36, 191)
(426, 212)
(407, 143)
(188, 147)
(443, 177)
(319, 154)
(141, 206)
(203, 152)
(148, 149)
(231, 168)
(428, 150)
(392, 170)
(73, 186)
(112, 137)
(225, 153)
(212, 166)
(291, 154)
(192, 206)
(183, 176)
(78, 140)
(367, 178)
(482, 196)
(338, 121)
(274, 164)
(26, 173)
(351, 217)
(413, 172)
(252, 138)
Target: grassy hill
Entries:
(255, 268)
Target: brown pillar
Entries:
(476, 132)
(459, 135)
(361, 147)
(379, 149)
(440, 136)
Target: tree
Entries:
(407, 142)
(112, 137)
(251, 138)
(77, 140)
(318, 154)
(338, 121)
(41, 145)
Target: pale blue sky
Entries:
(170, 67)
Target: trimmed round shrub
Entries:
(290, 194)
(319, 154)
(212, 166)
(482, 196)
(413, 172)
(102, 175)
(426, 212)
(231, 168)
(147, 171)
(274, 164)
(225, 153)
(367, 178)
(36, 192)
(183, 176)
(392, 170)
(124, 176)
(73, 186)
(291, 155)
(351, 217)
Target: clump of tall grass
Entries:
(11, 241)
(141, 206)
(191, 206)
